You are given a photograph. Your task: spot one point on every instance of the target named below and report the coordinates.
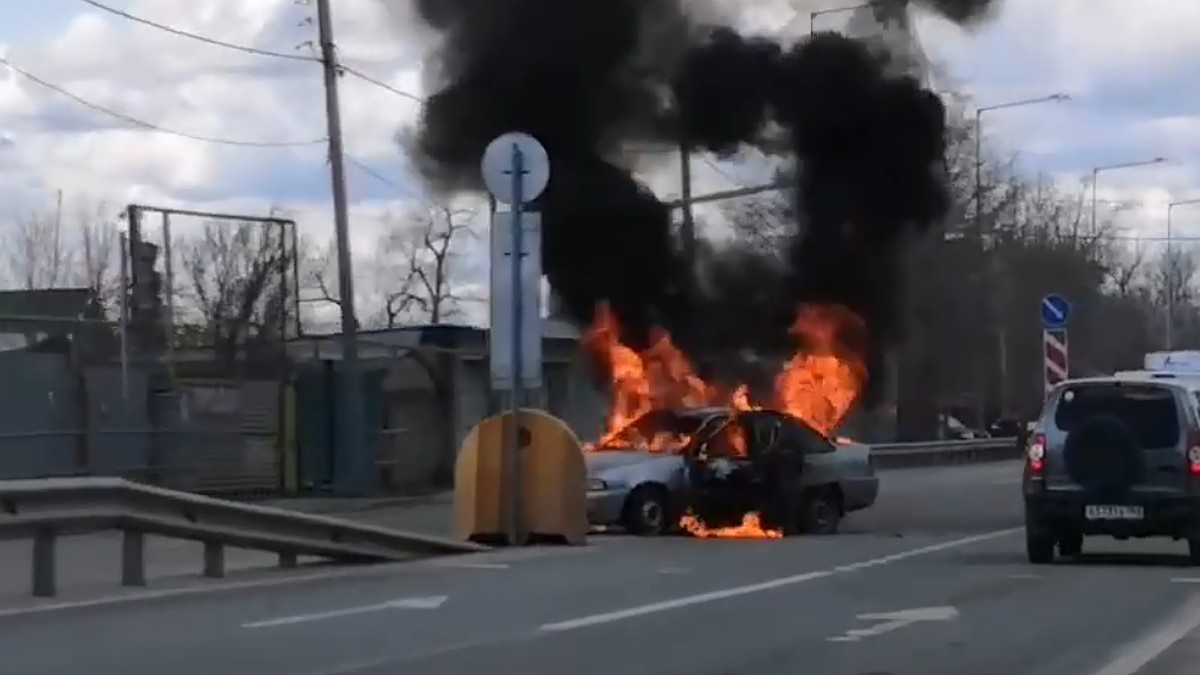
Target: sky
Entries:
(1127, 66)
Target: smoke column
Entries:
(579, 76)
(586, 77)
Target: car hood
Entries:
(611, 460)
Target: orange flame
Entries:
(751, 528)
(659, 378)
(818, 385)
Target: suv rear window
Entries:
(1149, 411)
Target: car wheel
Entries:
(1194, 551)
(646, 511)
(1039, 546)
(821, 512)
(1070, 544)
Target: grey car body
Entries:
(840, 474)
(1115, 456)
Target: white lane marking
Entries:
(1185, 580)
(1133, 656)
(674, 570)
(895, 621)
(713, 596)
(1006, 481)
(432, 602)
(1024, 576)
(147, 596)
(283, 579)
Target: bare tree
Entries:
(419, 267)
(234, 279)
(318, 284)
(1172, 287)
(36, 251)
(61, 247)
(97, 261)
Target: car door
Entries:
(781, 434)
(819, 453)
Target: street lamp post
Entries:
(1111, 167)
(994, 260)
(1170, 322)
(1052, 98)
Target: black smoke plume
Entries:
(588, 77)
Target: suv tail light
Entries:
(1036, 453)
(1193, 453)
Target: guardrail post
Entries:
(45, 565)
(133, 558)
(287, 560)
(214, 559)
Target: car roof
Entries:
(1189, 380)
(1170, 382)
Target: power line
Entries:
(251, 50)
(379, 83)
(198, 37)
(361, 166)
(149, 125)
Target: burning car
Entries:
(721, 471)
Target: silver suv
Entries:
(1113, 456)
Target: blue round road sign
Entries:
(1055, 311)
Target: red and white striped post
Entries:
(1056, 361)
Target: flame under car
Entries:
(712, 467)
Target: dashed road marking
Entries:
(782, 582)
(1131, 658)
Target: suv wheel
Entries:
(1039, 546)
(1070, 544)
(1194, 551)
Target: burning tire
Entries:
(647, 512)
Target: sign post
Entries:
(516, 170)
(1055, 311)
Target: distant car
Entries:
(797, 479)
(1113, 456)
(1005, 427)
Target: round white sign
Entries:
(498, 167)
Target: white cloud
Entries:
(1123, 61)
(1132, 96)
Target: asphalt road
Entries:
(932, 581)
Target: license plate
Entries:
(1092, 512)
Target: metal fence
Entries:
(59, 419)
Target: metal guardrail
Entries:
(47, 509)
(936, 453)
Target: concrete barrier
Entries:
(553, 481)
(941, 453)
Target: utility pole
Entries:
(351, 452)
(688, 225)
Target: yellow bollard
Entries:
(553, 481)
